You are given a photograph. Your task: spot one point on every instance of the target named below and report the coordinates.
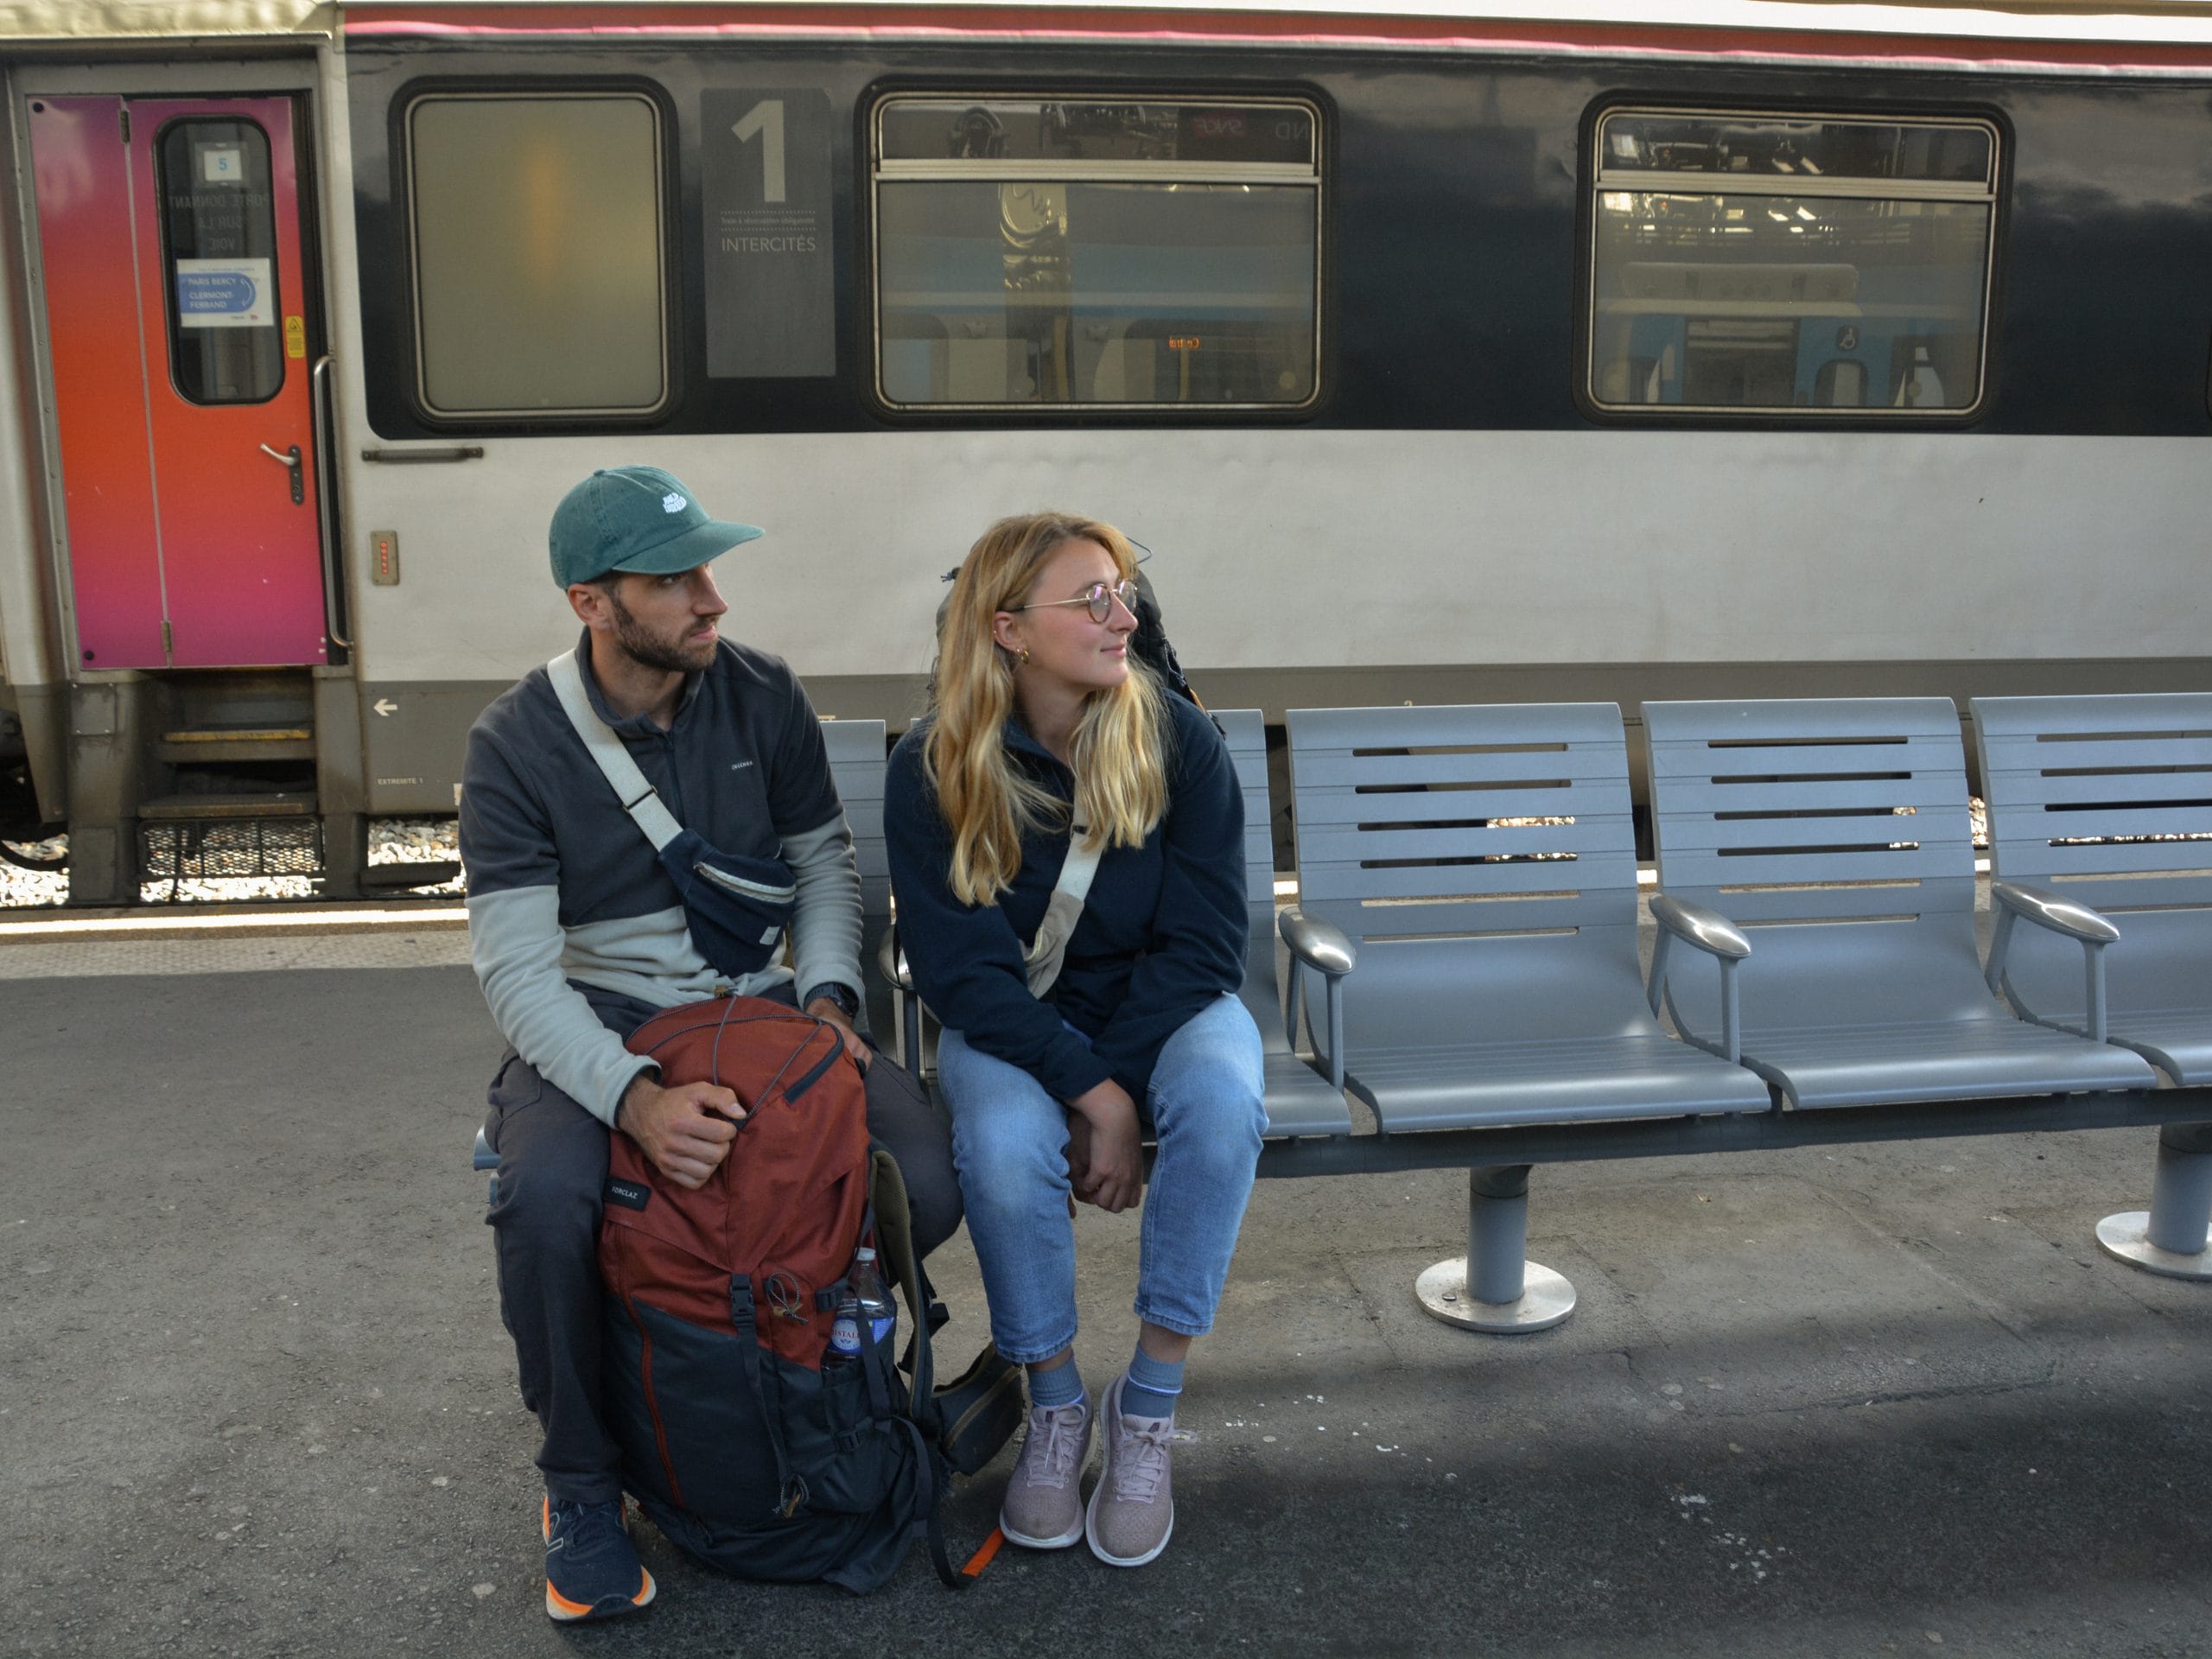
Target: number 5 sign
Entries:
(766, 200)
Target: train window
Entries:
(537, 221)
(1829, 264)
(1041, 253)
(218, 246)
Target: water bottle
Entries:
(866, 1297)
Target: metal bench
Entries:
(1833, 952)
(2109, 798)
(1837, 832)
(1482, 863)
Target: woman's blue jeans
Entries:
(1009, 1144)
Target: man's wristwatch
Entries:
(840, 993)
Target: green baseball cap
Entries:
(635, 519)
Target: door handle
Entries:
(289, 459)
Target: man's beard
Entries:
(644, 650)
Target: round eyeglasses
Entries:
(1099, 596)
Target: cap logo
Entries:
(673, 502)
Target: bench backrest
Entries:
(857, 752)
(1812, 810)
(1423, 830)
(1789, 817)
(2093, 791)
(1247, 733)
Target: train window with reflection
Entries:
(1042, 253)
(219, 241)
(537, 226)
(1807, 264)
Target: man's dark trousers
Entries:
(545, 1226)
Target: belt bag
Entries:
(737, 907)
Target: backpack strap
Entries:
(639, 799)
(895, 1245)
(790, 1490)
(1051, 945)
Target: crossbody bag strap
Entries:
(639, 799)
(1047, 950)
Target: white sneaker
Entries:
(1132, 1511)
(1043, 1509)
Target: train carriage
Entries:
(1437, 352)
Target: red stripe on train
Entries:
(1290, 29)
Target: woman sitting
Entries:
(1047, 742)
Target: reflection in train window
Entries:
(537, 229)
(218, 243)
(1803, 264)
(1037, 253)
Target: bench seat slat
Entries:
(1707, 869)
(2025, 753)
(1343, 769)
(1339, 879)
(1882, 752)
(2032, 790)
(1925, 790)
(1325, 844)
(1581, 801)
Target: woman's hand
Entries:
(1105, 1158)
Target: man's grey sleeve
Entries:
(515, 940)
(826, 920)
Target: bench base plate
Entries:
(1547, 1298)
(2124, 1237)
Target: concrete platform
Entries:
(255, 1398)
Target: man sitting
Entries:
(579, 936)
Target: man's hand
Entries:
(823, 1008)
(1112, 1159)
(678, 1127)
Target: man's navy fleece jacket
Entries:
(1162, 933)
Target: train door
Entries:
(175, 292)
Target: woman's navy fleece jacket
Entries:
(1162, 933)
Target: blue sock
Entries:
(1061, 1386)
(1152, 1386)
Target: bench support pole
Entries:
(2174, 1236)
(1495, 1286)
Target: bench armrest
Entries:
(1701, 925)
(891, 962)
(1329, 950)
(2017, 902)
(2046, 909)
(1704, 929)
(1317, 943)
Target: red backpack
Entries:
(750, 1444)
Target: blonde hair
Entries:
(1121, 774)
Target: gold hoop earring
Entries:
(1023, 658)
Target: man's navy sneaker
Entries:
(592, 1569)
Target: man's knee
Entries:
(552, 1161)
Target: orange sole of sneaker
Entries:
(562, 1611)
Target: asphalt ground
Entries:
(255, 1397)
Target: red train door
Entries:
(176, 326)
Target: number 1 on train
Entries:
(766, 121)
